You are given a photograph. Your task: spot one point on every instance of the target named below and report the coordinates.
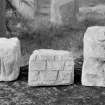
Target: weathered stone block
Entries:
(10, 59)
(93, 72)
(50, 67)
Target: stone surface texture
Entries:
(26, 8)
(10, 59)
(93, 72)
(51, 67)
(63, 12)
(47, 12)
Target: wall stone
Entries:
(51, 67)
(10, 59)
(93, 72)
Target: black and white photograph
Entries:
(52, 52)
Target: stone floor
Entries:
(19, 93)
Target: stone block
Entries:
(10, 59)
(50, 67)
(94, 57)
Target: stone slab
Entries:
(50, 67)
(93, 71)
(10, 59)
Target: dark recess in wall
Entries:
(2, 18)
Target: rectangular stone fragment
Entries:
(10, 59)
(93, 71)
(51, 67)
